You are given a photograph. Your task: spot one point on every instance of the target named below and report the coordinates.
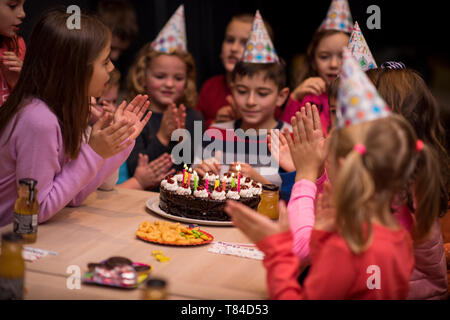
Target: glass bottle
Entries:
(12, 267)
(155, 289)
(268, 205)
(26, 210)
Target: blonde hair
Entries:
(136, 75)
(390, 162)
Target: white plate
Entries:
(153, 205)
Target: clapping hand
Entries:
(150, 174)
(11, 66)
(134, 113)
(279, 148)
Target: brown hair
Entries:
(272, 71)
(366, 183)
(248, 18)
(136, 75)
(120, 17)
(57, 69)
(307, 69)
(407, 94)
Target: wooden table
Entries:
(105, 226)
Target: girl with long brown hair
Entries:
(43, 123)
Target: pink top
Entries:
(35, 150)
(292, 106)
(4, 87)
(380, 272)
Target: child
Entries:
(322, 64)
(408, 95)
(358, 250)
(166, 72)
(44, 121)
(215, 102)
(259, 87)
(120, 17)
(12, 47)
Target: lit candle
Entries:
(216, 184)
(195, 181)
(206, 181)
(184, 173)
(224, 183)
(238, 168)
(189, 176)
(233, 182)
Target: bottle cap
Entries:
(156, 283)
(11, 237)
(270, 187)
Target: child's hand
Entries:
(181, 117)
(149, 175)
(169, 123)
(249, 172)
(308, 147)
(325, 211)
(255, 225)
(279, 147)
(229, 112)
(208, 165)
(133, 113)
(11, 65)
(313, 85)
(108, 140)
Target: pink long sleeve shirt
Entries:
(35, 150)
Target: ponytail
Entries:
(354, 187)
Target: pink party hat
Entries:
(357, 99)
(338, 17)
(360, 50)
(173, 35)
(259, 47)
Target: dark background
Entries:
(415, 33)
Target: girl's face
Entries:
(165, 79)
(100, 76)
(328, 56)
(257, 98)
(234, 43)
(11, 16)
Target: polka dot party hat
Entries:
(259, 47)
(173, 35)
(360, 50)
(357, 99)
(338, 17)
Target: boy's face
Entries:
(110, 96)
(332, 109)
(118, 46)
(257, 98)
(234, 43)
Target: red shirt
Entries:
(4, 87)
(380, 272)
(212, 97)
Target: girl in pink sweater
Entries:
(43, 123)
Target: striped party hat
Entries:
(360, 50)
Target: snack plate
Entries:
(88, 278)
(179, 244)
(153, 205)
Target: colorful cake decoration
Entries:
(338, 17)
(173, 35)
(259, 47)
(360, 50)
(357, 99)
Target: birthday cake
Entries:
(186, 195)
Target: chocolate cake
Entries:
(181, 198)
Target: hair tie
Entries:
(360, 148)
(389, 65)
(419, 145)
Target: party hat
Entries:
(259, 47)
(357, 99)
(338, 17)
(173, 35)
(360, 50)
